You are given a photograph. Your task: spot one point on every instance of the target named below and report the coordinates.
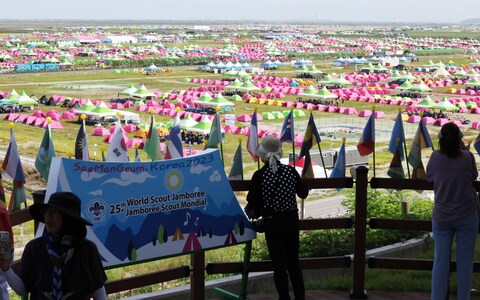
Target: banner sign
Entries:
(148, 210)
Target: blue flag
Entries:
(311, 137)
(397, 133)
(287, 134)
(339, 168)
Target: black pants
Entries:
(281, 234)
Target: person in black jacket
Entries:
(277, 185)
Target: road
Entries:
(325, 207)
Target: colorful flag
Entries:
(252, 141)
(215, 136)
(45, 154)
(367, 140)
(476, 144)
(311, 137)
(307, 170)
(339, 168)
(118, 147)
(13, 168)
(236, 172)
(287, 134)
(152, 143)
(3, 200)
(174, 148)
(81, 147)
(395, 170)
(397, 133)
(420, 141)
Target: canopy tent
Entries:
(143, 92)
(128, 91)
(247, 87)
(425, 103)
(444, 104)
(203, 126)
(325, 94)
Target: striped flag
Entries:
(118, 147)
(215, 135)
(81, 147)
(174, 148)
(367, 140)
(13, 168)
(287, 133)
(252, 141)
(420, 141)
(395, 170)
(311, 137)
(45, 154)
(307, 170)
(236, 172)
(152, 143)
(397, 133)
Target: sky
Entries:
(404, 11)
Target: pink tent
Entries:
(117, 105)
(11, 117)
(244, 118)
(39, 121)
(230, 128)
(22, 118)
(68, 116)
(100, 131)
(457, 122)
(475, 125)
(38, 113)
(414, 119)
(130, 128)
(440, 122)
(31, 120)
(350, 111)
(365, 113)
(379, 114)
(131, 143)
(53, 124)
(428, 120)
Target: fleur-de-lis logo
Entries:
(96, 209)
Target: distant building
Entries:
(118, 39)
(201, 28)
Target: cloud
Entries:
(88, 176)
(198, 169)
(96, 193)
(127, 178)
(215, 177)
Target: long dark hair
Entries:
(450, 140)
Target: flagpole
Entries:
(373, 120)
(321, 157)
(404, 143)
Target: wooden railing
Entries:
(197, 269)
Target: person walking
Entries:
(277, 186)
(452, 169)
(62, 263)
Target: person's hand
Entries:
(5, 262)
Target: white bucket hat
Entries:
(270, 149)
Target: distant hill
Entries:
(472, 21)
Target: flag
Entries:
(476, 144)
(339, 168)
(152, 143)
(103, 156)
(397, 133)
(118, 147)
(3, 201)
(174, 148)
(287, 134)
(45, 154)
(420, 141)
(137, 157)
(311, 137)
(13, 167)
(395, 170)
(252, 141)
(236, 172)
(215, 135)
(367, 140)
(307, 171)
(81, 147)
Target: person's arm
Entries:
(15, 282)
(100, 294)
